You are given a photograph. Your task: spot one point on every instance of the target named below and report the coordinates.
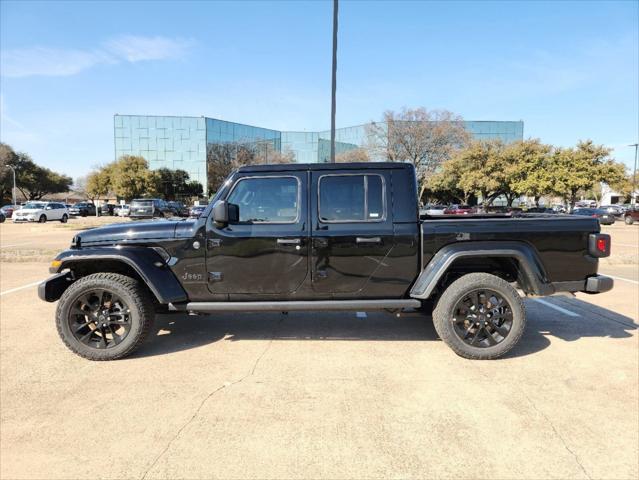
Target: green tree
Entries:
(483, 170)
(527, 169)
(173, 184)
(98, 183)
(579, 169)
(131, 178)
(33, 181)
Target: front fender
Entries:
(146, 262)
(532, 275)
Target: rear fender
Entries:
(146, 262)
(531, 275)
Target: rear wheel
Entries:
(64, 218)
(629, 220)
(480, 316)
(42, 219)
(104, 316)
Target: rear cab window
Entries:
(347, 198)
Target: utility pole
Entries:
(634, 174)
(334, 80)
(13, 190)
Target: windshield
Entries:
(34, 205)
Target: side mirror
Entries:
(221, 212)
(49, 207)
(225, 213)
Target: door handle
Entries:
(368, 240)
(289, 241)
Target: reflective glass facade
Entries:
(189, 143)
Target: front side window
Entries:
(351, 198)
(267, 199)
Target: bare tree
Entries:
(354, 155)
(419, 136)
(223, 158)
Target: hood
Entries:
(129, 232)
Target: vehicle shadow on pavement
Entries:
(177, 332)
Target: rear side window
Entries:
(351, 198)
(267, 199)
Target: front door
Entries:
(352, 232)
(266, 251)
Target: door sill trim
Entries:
(291, 306)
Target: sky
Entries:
(569, 70)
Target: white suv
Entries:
(41, 212)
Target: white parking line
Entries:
(16, 245)
(565, 311)
(622, 279)
(21, 288)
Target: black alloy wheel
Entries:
(100, 319)
(482, 318)
(104, 316)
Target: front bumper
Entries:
(53, 287)
(24, 219)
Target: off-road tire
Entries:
(629, 220)
(64, 218)
(42, 219)
(444, 310)
(131, 291)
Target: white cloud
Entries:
(46, 61)
(135, 49)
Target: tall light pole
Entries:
(334, 80)
(13, 190)
(634, 174)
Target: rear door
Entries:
(266, 251)
(352, 229)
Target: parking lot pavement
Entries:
(323, 395)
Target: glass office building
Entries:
(191, 143)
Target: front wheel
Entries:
(629, 220)
(480, 316)
(104, 316)
(42, 219)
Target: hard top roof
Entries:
(287, 167)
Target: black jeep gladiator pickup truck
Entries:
(321, 237)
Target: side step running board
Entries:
(310, 305)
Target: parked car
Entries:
(459, 210)
(540, 210)
(179, 208)
(123, 210)
(107, 209)
(196, 210)
(604, 217)
(8, 210)
(2, 217)
(295, 237)
(586, 204)
(616, 210)
(433, 210)
(82, 209)
(631, 215)
(41, 212)
(149, 208)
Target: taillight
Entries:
(599, 245)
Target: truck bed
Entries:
(560, 240)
